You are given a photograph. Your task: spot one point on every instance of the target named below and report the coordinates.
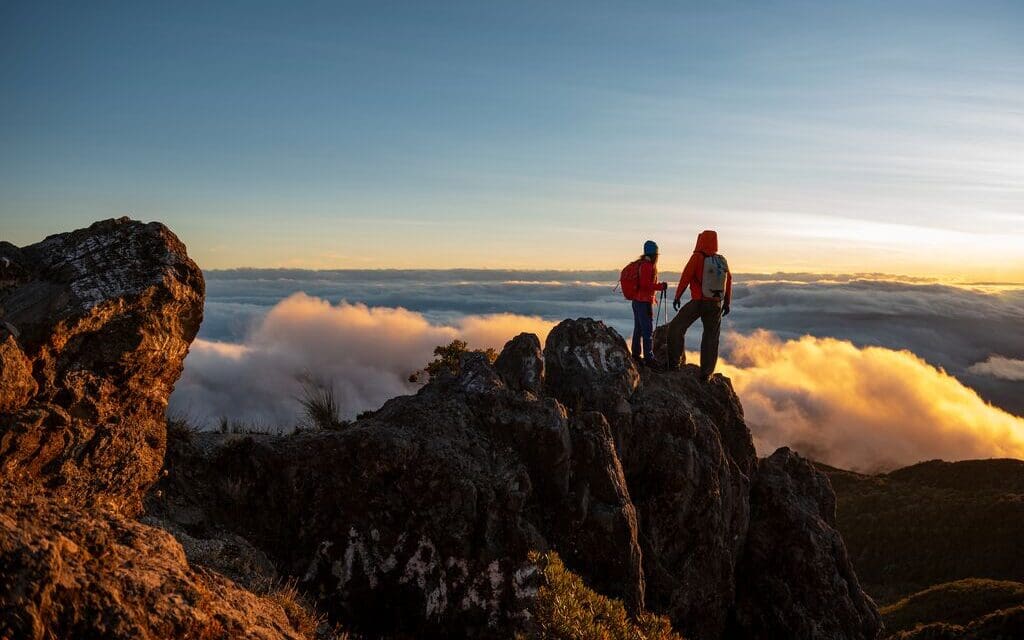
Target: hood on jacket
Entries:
(707, 242)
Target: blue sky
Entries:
(856, 136)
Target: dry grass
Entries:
(302, 613)
(567, 609)
(320, 405)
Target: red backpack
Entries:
(629, 279)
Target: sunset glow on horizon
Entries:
(830, 138)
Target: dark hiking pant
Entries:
(710, 314)
(643, 329)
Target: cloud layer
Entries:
(863, 408)
(898, 371)
(366, 353)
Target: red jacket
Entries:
(707, 245)
(648, 284)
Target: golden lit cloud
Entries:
(863, 408)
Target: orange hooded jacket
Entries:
(707, 245)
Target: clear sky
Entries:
(822, 136)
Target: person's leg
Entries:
(647, 330)
(711, 319)
(677, 331)
(636, 332)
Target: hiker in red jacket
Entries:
(643, 305)
(710, 281)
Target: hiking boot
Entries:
(706, 377)
(653, 364)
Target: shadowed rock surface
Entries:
(521, 364)
(691, 494)
(95, 327)
(794, 579)
(420, 517)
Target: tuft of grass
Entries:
(566, 609)
(301, 612)
(320, 405)
(952, 603)
(181, 427)
(226, 425)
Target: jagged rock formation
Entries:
(70, 573)
(795, 578)
(419, 518)
(94, 326)
(521, 364)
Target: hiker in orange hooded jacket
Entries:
(710, 282)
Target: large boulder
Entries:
(794, 579)
(102, 318)
(66, 572)
(521, 364)
(588, 367)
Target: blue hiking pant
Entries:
(643, 329)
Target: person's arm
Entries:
(689, 272)
(728, 293)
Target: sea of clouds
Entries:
(861, 371)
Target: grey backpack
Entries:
(716, 272)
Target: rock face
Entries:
(589, 367)
(95, 326)
(795, 579)
(691, 492)
(419, 518)
(521, 364)
(69, 573)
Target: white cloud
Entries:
(1000, 367)
(366, 352)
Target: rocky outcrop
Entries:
(70, 573)
(795, 580)
(691, 495)
(420, 518)
(102, 319)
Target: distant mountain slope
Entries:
(932, 523)
(953, 603)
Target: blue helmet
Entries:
(650, 248)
